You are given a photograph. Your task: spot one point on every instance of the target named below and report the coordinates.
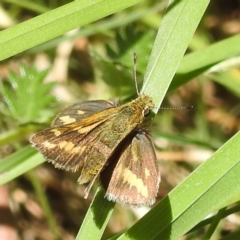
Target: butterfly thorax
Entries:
(131, 115)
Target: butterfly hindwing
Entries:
(135, 178)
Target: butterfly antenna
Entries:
(176, 108)
(135, 71)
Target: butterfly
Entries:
(105, 141)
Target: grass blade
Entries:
(56, 22)
(96, 218)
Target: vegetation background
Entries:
(55, 53)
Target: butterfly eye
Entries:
(146, 111)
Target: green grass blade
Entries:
(232, 82)
(56, 22)
(104, 26)
(214, 224)
(46, 208)
(221, 214)
(170, 45)
(33, 6)
(18, 163)
(96, 218)
(194, 64)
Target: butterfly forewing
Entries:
(65, 143)
(81, 110)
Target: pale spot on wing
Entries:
(147, 173)
(79, 149)
(80, 112)
(86, 129)
(69, 146)
(135, 156)
(67, 119)
(134, 181)
(49, 145)
(56, 132)
(62, 144)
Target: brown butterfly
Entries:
(106, 141)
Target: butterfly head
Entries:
(146, 103)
